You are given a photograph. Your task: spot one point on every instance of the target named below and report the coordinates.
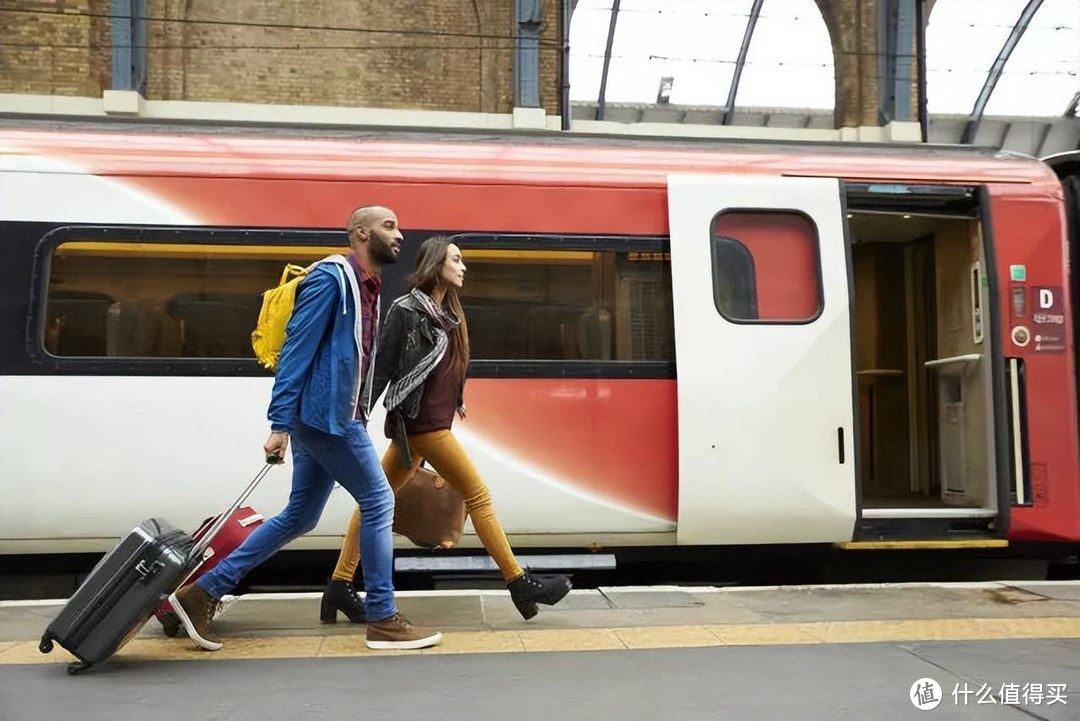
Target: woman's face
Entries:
(452, 273)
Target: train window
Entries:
(568, 305)
(166, 300)
(201, 300)
(765, 267)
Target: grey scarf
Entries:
(399, 390)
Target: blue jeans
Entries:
(319, 459)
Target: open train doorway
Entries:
(924, 363)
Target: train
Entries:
(675, 343)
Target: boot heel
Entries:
(327, 612)
(528, 590)
(341, 596)
(527, 609)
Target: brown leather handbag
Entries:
(428, 511)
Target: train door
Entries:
(932, 396)
(761, 296)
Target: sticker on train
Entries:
(1048, 317)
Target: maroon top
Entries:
(370, 285)
(440, 396)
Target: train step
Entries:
(483, 563)
(939, 532)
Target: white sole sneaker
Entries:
(425, 642)
(203, 643)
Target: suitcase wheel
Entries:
(74, 669)
(46, 645)
(170, 624)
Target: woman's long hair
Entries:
(429, 263)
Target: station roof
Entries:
(1038, 137)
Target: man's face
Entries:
(383, 235)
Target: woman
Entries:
(421, 361)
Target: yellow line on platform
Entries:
(583, 639)
(884, 545)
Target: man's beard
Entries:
(384, 253)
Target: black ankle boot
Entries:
(341, 596)
(529, 590)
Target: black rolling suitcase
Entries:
(127, 586)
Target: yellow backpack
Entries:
(277, 307)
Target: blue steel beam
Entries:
(120, 10)
(897, 33)
(565, 12)
(138, 58)
(902, 75)
(1017, 32)
(886, 59)
(527, 65)
(601, 101)
(751, 23)
(920, 57)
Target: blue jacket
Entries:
(318, 375)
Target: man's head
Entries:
(374, 235)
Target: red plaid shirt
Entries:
(370, 285)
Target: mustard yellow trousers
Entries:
(446, 456)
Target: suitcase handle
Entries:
(200, 548)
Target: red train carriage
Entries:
(674, 343)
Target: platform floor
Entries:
(814, 652)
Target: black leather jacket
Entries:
(408, 335)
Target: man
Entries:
(318, 401)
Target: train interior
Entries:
(135, 300)
(569, 305)
(922, 345)
(140, 300)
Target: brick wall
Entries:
(326, 52)
(854, 28)
(199, 52)
(54, 47)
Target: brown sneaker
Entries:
(396, 632)
(196, 608)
